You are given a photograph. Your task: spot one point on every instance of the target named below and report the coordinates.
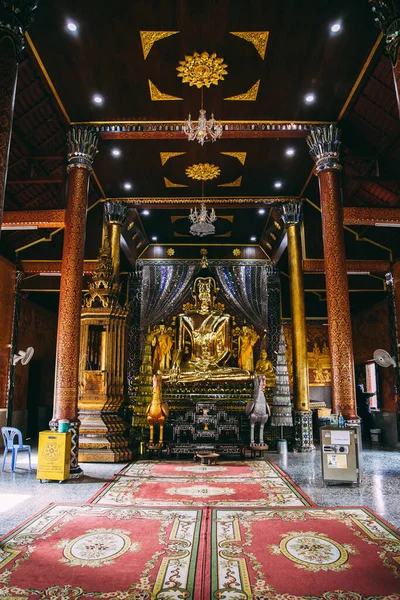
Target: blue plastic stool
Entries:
(9, 434)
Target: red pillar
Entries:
(82, 148)
(324, 148)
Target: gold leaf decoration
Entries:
(236, 183)
(203, 171)
(202, 69)
(171, 184)
(277, 225)
(250, 95)
(236, 252)
(164, 156)
(149, 38)
(273, 236)
(241, 156)
(170, 252)
(259, 39)
(268, 245)
(156, 95)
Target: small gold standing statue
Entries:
(264, 367)
(157, 411)
(162, 342)
(247, 338)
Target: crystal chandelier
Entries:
(204, 131)
(202, 221)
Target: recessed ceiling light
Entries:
(309, 98)
(127, 186)
(278, 184)
(116, 152)
(145, 212)
(253, 238)
(97, 99)
(261, 211)
(336, 27)
(72, 27)
(154, 238)
(290, 151)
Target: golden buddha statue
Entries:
(264, 367)
(203, 343)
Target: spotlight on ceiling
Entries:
(309, 98)
(336, 27)
(154, 238)
(116, 152)
(127, 186)
(261, 211)
(253, 238)
(71, 26)
(97, 99)
(145, 212)
(278, 184)
(290, 151)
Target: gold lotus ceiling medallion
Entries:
(203, 171)
(202, 69)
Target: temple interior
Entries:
(153, 324)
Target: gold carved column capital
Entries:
(324, 144)
(387, 18)
(115, 212)
(292, 213)
(82, 142)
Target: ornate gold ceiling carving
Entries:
(250, 95)
(156, 95)
(236, 252)
(149, 38)
(164, 156)
(236, 183)
(241, 156)
(202, 69)
(203, 171)
(170, 252)
(259, 39)
(171, 184)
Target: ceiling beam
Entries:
(42, 219)
(317, 265)
(52, 267)
(371, 216)
(220, 201)
(35, 181)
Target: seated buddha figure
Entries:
(264, 367)
(203, 343)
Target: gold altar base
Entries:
(101, 438)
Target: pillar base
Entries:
(303, 431)
(101, 438)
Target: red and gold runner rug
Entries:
(73, 552)
(161, 468)
(210, 491)
(303, 554)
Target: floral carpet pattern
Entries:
(79, 552)
(334, 553)
(212, 491)
(161, 468)
(181, 531)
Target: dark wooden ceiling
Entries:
(348, 72)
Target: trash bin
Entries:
(375, 436)
(282, 447)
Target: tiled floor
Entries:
(22, 495)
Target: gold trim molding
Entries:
(149, 38)
(249, 96)
(171, 184)
(259, 39)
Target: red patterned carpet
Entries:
(227, 469)
(125, 550)
(195, 491)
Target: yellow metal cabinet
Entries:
(54, 455)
